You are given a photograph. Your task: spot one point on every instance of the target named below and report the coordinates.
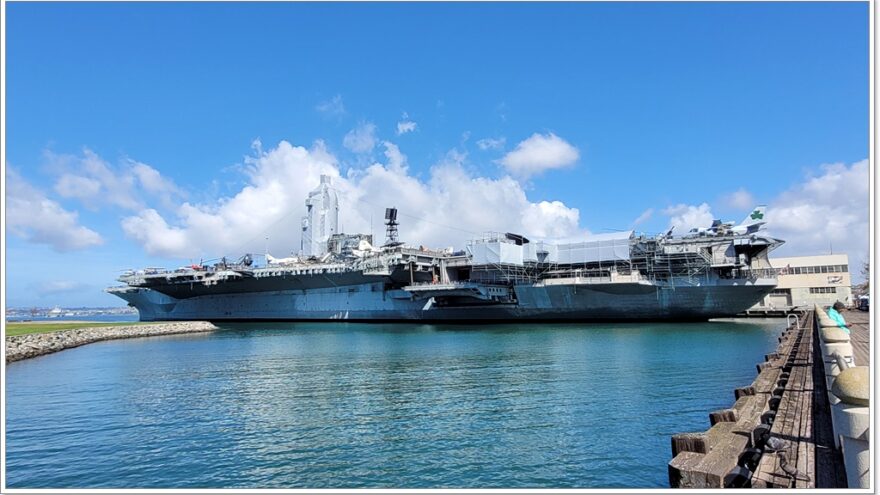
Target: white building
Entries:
(808, 280)
(321, 220)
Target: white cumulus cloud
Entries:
(334, 107)
(538, 153)
(155, 184)
(740, 199)
(550, 219)
(446, 208)
(828, 209)
(686, 217)
(406, 125)
(361, 139)
(151, 179)
(151, 231)
(94, 182)
(38, 219)
(491, 143)
(277, 180)
(75, 186)
(644, 217)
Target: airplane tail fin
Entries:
(756, 216)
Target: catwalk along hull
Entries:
(372, 302)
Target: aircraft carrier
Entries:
(706, 273)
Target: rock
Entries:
(26, 346)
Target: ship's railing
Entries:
(491, 237)
(578, 272)
(457, 284)
(579, 278)
(577, 281)
(299, 270)
(683, 261)
(503, 273)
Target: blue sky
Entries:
(132, 127)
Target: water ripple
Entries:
(347, 405)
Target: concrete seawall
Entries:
(20, 347)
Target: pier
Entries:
(795, 425)
(860, 338)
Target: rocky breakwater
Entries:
(20, 347)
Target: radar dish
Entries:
(391, 227)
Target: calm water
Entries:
(353, 405)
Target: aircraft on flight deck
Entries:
(751, 224)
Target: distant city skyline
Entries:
(161, 134)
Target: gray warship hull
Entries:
(369, 302)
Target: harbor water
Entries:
(315, 405)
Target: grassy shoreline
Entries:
(23, 328)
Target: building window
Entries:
(806, 270)
(780, 292)
(823, 290)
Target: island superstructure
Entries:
(707, 273)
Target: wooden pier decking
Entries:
(860, 336)
(802, 427)
(779, 432)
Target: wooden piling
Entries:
(723, 455)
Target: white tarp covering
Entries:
(530, 252)
(547, 253)
(495, 252)
(599, 247)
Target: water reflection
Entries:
(386, 405)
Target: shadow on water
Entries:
(717, 325)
